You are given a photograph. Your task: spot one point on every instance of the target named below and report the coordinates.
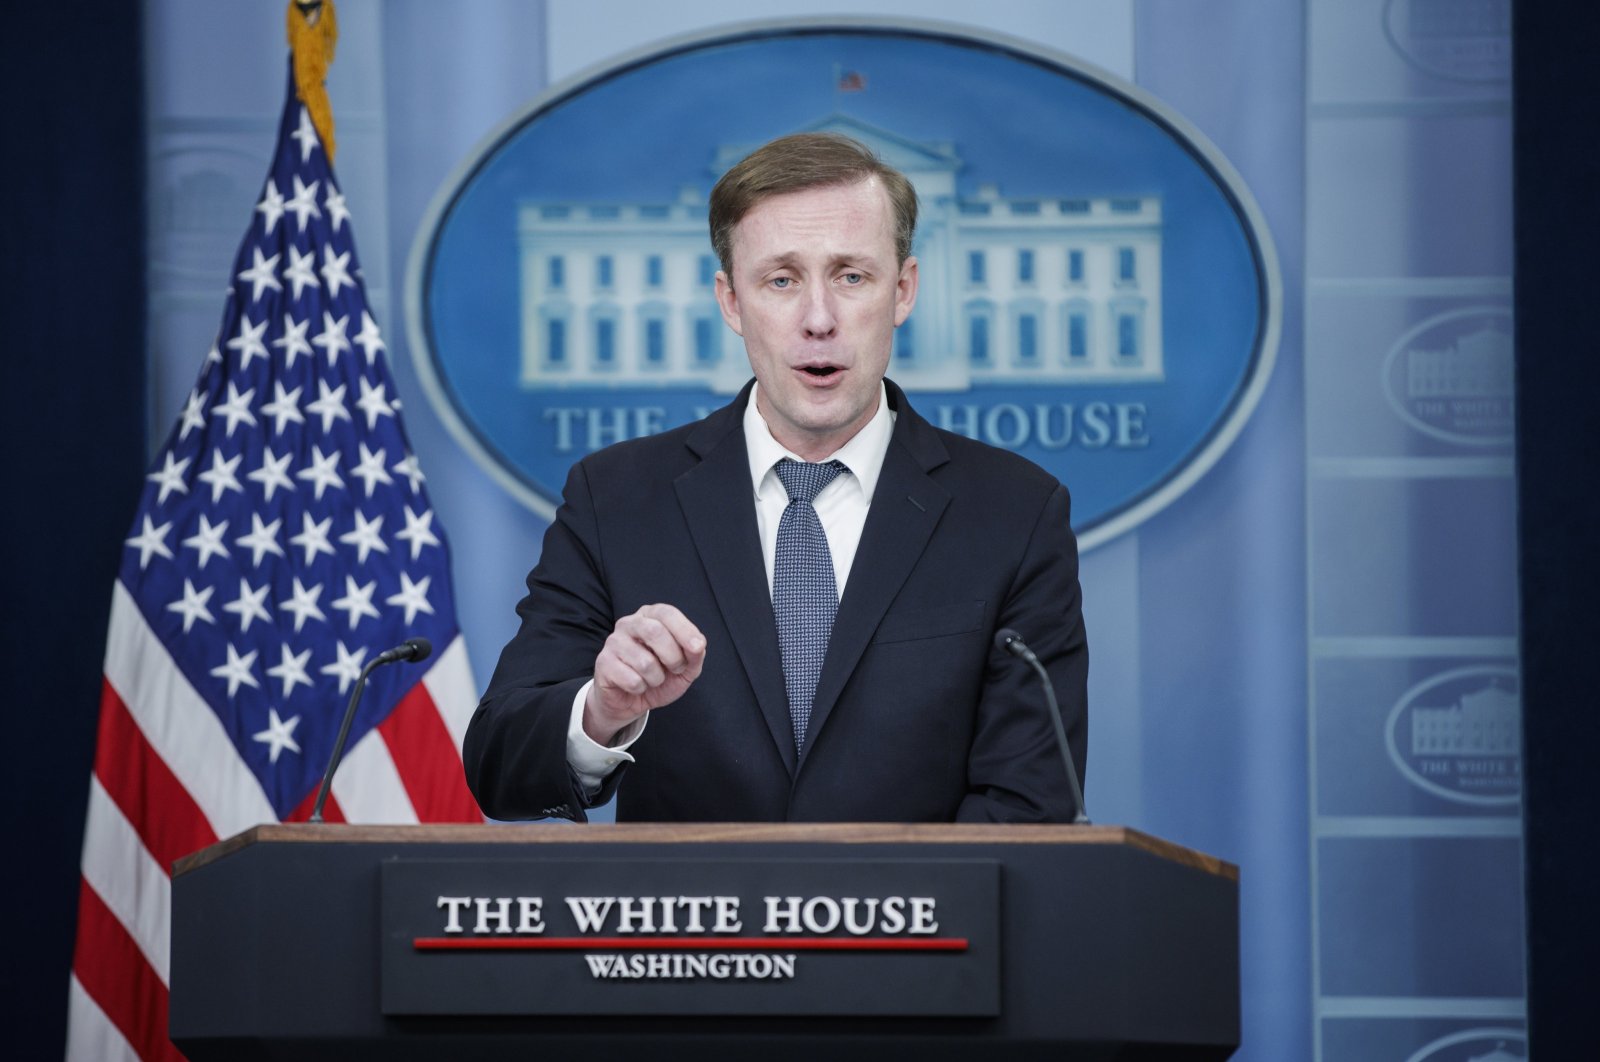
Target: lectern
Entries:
(737, 941)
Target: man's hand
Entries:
(649, 660)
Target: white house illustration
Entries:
(1482, 723)
(1479, 364)
(1055, 290)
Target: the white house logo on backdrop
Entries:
(1450, 376)
(1458, 735)
(1461, 40)
(1098, 292)
(1476, 1045)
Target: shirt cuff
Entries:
(591, 761)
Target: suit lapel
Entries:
(716, 499)
(906, 507)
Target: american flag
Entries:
(284, 538)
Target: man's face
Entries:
(816, 294)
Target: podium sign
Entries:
(719, 936)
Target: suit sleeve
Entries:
(515, 748)
(1014, 769)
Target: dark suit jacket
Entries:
(917, 716)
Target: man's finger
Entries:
(611, 672)
(683, 631)
(660, 640)
(626, 646)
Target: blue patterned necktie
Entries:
(805, 595)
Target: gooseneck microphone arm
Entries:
(1009, 640)
(412, 649)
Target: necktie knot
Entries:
(805, 481)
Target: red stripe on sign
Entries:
(427, 760)
(690, 943)
(168, 821)
(114, 973)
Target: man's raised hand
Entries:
(650, 660)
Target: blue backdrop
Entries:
(1268, 647)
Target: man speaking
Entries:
(786, 611)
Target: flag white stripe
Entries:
(178, 723)
(449, 683)
(90, 1035)
(368, 785)
(132, 884)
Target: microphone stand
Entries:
(1012, 642)
(414, 649)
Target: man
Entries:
(786, 611)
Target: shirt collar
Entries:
(863, 455)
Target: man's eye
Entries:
(853, 278)
(781, 282)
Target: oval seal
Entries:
(1476, 1045)
(1099, 291)
(1458, 41)
(1458, 735)
(1451, 376)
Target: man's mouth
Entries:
(819, 370)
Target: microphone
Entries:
(412, 649)
(415, 650)
(1010, 641)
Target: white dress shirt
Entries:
(841, 507)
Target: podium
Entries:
(644, 941)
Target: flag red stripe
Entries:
(331, 811)
(116, 976)
(427, 760)
(167, 819)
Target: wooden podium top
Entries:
(879, 833)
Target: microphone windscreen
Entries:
(1004, 637)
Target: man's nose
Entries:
(820, 320)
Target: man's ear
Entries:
(905, 290)
(728, 301)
